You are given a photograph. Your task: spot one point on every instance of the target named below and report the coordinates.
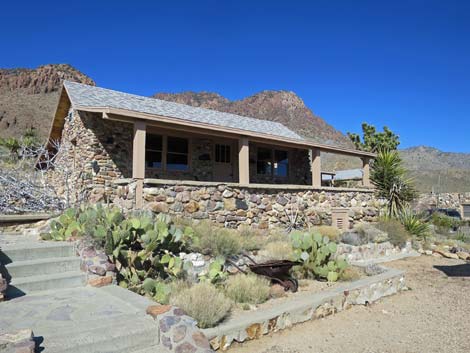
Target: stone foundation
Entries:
(262, 206)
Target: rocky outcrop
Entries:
(28, 97)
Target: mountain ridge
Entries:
(28, 98)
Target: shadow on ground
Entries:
(462, 270)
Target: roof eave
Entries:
(107, 111)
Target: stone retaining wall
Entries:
(308, 307)
(372, 251)
(442, 200)
(263, 207)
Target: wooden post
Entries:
(316, 168)
(243, 161)
(366, 172)
(138, 161)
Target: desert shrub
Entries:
(251, 238)
(211, 239)
(279, 250)
(397, 234)
(204, 303)
(331, 232)
(444, 223)
(352, 273)
(413, 224)
(250, 289)
(315, 253)
(370, 233)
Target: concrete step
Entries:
(44, 266)
(40, 250)
(23, 285)
(117, 336)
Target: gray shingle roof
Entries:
(89, 96)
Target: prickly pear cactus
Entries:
(315, 252)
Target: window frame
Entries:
(164, 167)
(273, 150)
(229, 154)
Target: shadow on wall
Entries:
(462, 270)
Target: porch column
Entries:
(243, 161)
(316, 168)
(138, 161)
(366, 172)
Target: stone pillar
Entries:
(366, 172)
(316, 168)
(138, 161)
(243, 161)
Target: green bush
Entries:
(204, 303)
(249, 289)
(397, 234)
(316, 252)
(444, 223)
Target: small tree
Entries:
(373, 141)
(389, 178)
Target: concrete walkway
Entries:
(85, 319)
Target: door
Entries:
(223, 161)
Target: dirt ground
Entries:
(433, 316)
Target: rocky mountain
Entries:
(284, 107)
(435, 170)
(28, 97)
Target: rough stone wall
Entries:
(94, 152)
(442, 200)
(263, 208)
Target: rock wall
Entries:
(442, 200)
(232, 205)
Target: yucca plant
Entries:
(413, 224)
(391, 183)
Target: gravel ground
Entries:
(433, 316)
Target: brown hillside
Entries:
(28, 97)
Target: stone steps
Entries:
(121, 334)
(35, 251)
(25, 285)
(32, 265)
(48, 265)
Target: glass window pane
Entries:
(153, 142)
(264, 162)
(177, 145)
(177, 161)
(227, 154)
(281, 163)
(153, 159)
(217, 153)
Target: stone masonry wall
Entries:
(442, 200)
(93, 153)
(261, 207)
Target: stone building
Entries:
(139, 152)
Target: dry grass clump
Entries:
(397, 234)
(250, 289)
(279, 250)
(204, 303)
(331, 232)
(214, 240)
(351, 273)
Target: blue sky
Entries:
(404, 64)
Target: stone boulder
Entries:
(18, 342)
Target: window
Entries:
(223, 153)
(281, 163)
(153, 151)
(272, 162)
(177, 153)
(264, 161)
